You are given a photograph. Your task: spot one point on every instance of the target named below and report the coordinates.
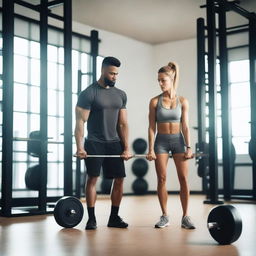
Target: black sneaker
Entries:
(91, 224)
(116, 222)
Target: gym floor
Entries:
(40, 235)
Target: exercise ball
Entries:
(106, 185)
(33, 177)
(139, 146)
(140, 167)
(140, 186)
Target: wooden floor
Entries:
(40, 235)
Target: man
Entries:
(103, 107)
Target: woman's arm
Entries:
(185, 126)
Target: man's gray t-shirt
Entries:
(104, 105)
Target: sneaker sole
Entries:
(89, 228)
(116, 227)
(183, 226)
(166, 225)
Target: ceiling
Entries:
(149, 21)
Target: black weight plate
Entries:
(229, 222)
(33, 177)
(62, 212)
(140, 167)
(34, 146)
(252, 151)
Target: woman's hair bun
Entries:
(172, 65)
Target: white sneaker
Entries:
(187, 223)
(163, 222)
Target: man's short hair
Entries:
(111, 61)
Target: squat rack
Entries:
(7, 201)
(221, 7)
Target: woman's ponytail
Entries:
(172, 69)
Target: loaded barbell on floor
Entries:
(224, 222)
(68, 211)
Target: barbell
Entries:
(68, 211)
(35, 138)
(224, 222)
(196, 155)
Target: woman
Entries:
(168, 112)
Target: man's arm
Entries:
(122, 128)
(81, 117)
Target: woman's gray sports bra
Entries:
(168, 115)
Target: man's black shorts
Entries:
(112, 167)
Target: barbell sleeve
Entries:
(213, 225)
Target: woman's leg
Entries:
(182, 171)
(161, 165)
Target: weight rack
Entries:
(8, 202)
(207, 79)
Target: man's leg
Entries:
(116, 196)
(117, 191)
(91, 195)
(114, 168)
(93, 167)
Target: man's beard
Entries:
(109, 82)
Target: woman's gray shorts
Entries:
(166, 143)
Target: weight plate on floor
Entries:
(68, 212)
(227, 224)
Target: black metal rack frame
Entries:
(7, 201)
(221, 7)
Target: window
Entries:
(27, 97)
(240, 104)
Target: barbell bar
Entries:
(197, 155)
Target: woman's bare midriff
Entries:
(168, 128)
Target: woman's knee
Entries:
(161, 179)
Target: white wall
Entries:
(138, 77)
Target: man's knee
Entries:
(118, 182)
(91, 181)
